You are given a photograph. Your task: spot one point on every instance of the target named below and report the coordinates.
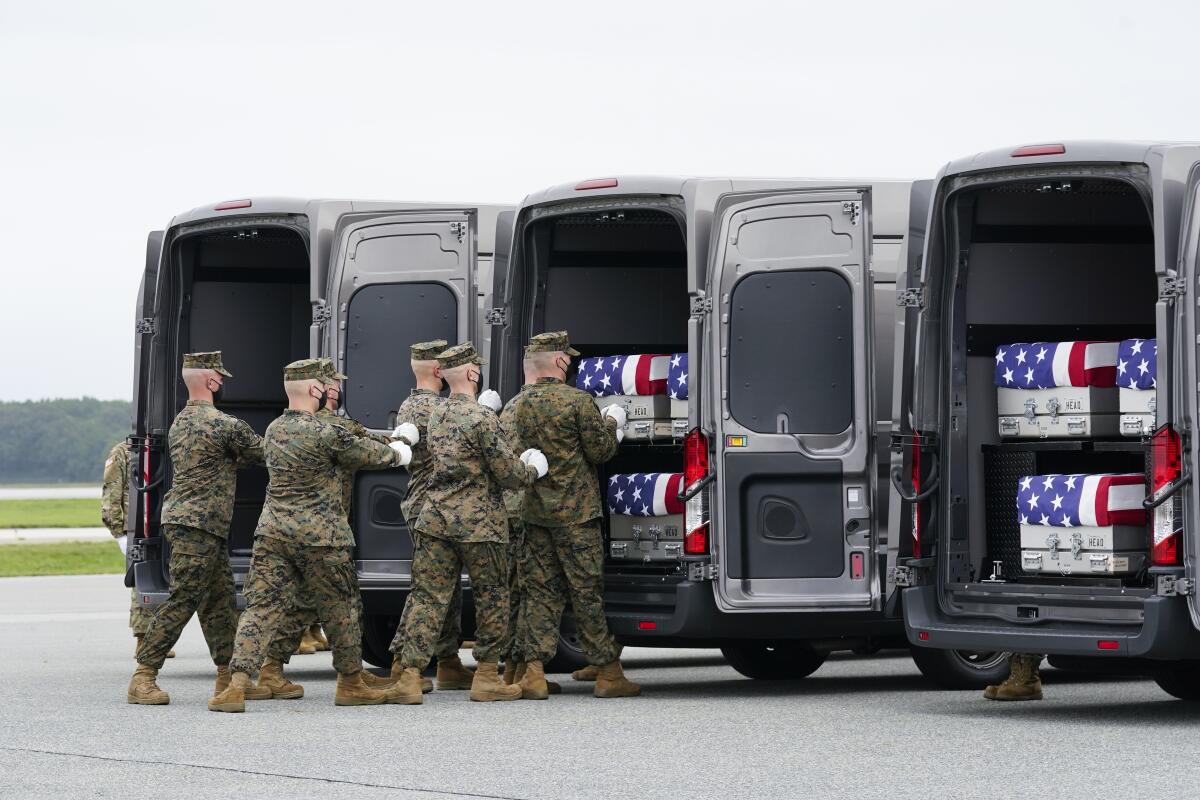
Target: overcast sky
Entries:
(115, 116)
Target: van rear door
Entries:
(1188, 383)
(397, 279)
(793, 400)
(143, 324)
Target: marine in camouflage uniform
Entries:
(207, 447)
(303, 544)
(113, 500)
(516, 545)
(563, 558)
(417, 409)
(304, 618)
(463, 523)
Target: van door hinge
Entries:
(144, 325)
(901, 576)
(911, 298)
(702, 572)
(458, 229)
(1171, 288)
(1170, 586)
(322, 313)
(496, 316)
(854, 209)
(699, 306)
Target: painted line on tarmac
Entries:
(258, 773)
(64, 616)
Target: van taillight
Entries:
(1167, 524)
(229, 205)
(1039, 150)
(598, 183)
(916, 487)
(695, 510)
(146, 495)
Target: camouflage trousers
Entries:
(450, 637)
(557, 565)
(201, 584)
(516, 633)
(292, 625)
(437, 567)
(139, 616)
(283, 573)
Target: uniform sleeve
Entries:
(508, 422)
(358, 429)
(502, 462)
(112, 494)
(598, 433)
(360, 452)
(244, 444)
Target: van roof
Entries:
(1074, 151)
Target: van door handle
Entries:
(904, 491)
(696, 487)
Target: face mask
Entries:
(477, 382)
(568, 370)
(322, 399)
(216, 393)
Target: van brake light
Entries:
(146, 495)
(1039, 150)
(229, 205)
(598, 183)
(916, 487)
(1166, 466)
(695, 510)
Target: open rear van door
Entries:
(793, 400)
(1179, 516)
(495, 321)
(397, 279)
(143, 324)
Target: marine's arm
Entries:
(597, 433)
(360, 452)
(112, 494)
(504, 464)
(243, 443)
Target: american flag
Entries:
(1137, 364)
(626, 375)
(1045, 365)
(645, 494)
(677, 377)
(1064, 501)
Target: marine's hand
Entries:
(491, 399)
(617, 413)
(404, 450)
(408, 432)
(536, 459)
(123, 541)
(620, 435)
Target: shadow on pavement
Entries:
(1156, 713)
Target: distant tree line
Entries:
(59, 441)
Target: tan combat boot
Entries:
(452, 675)
(407, 690)
(276, 686)
(1024, 682)
(143, 691)
(307, 645)
(587, 674)
(487, 685)
(533, 682)
(351, 691)
(318, 638)
(611, 682)
(398, 670)
(510, 671)
(233, 699)
(252, 691)
(376, 682)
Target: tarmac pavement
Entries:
(858, 728)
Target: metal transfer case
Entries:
(645, 539)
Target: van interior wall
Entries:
(246, 293)
(617, 282)
(1047, 265)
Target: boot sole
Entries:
(531, 694)
(358, 701)
(294, 694)
(447, 686)
(1017, 699)
(406, 700)
(492, 697)
(142, 701)
(228, 708)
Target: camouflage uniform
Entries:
(207, 447)
(516, 547)
(302, 545)
(113, 498)
(463, 523)
(564, 550)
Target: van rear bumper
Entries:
(671, 611)
(1166, 632)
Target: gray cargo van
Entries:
(782, 293)
(1064, 242)
(270, 280)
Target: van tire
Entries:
(773, 661)
(1181, 681)
(377, 633)
(960, 669)
(570, 655)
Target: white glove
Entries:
(491, 399)
(618, 413)
(620, 435)
(408, 432)
(404, 450)
(536, 459)
(123, 543)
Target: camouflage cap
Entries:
(210, 360)
(551, 342)
(427, 351)
(331, 373)
(306, 369)
(458, 355)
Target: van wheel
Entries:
(377, 633)
(961, 669)
(570, 650)
(773, 661)
(1181, 681)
